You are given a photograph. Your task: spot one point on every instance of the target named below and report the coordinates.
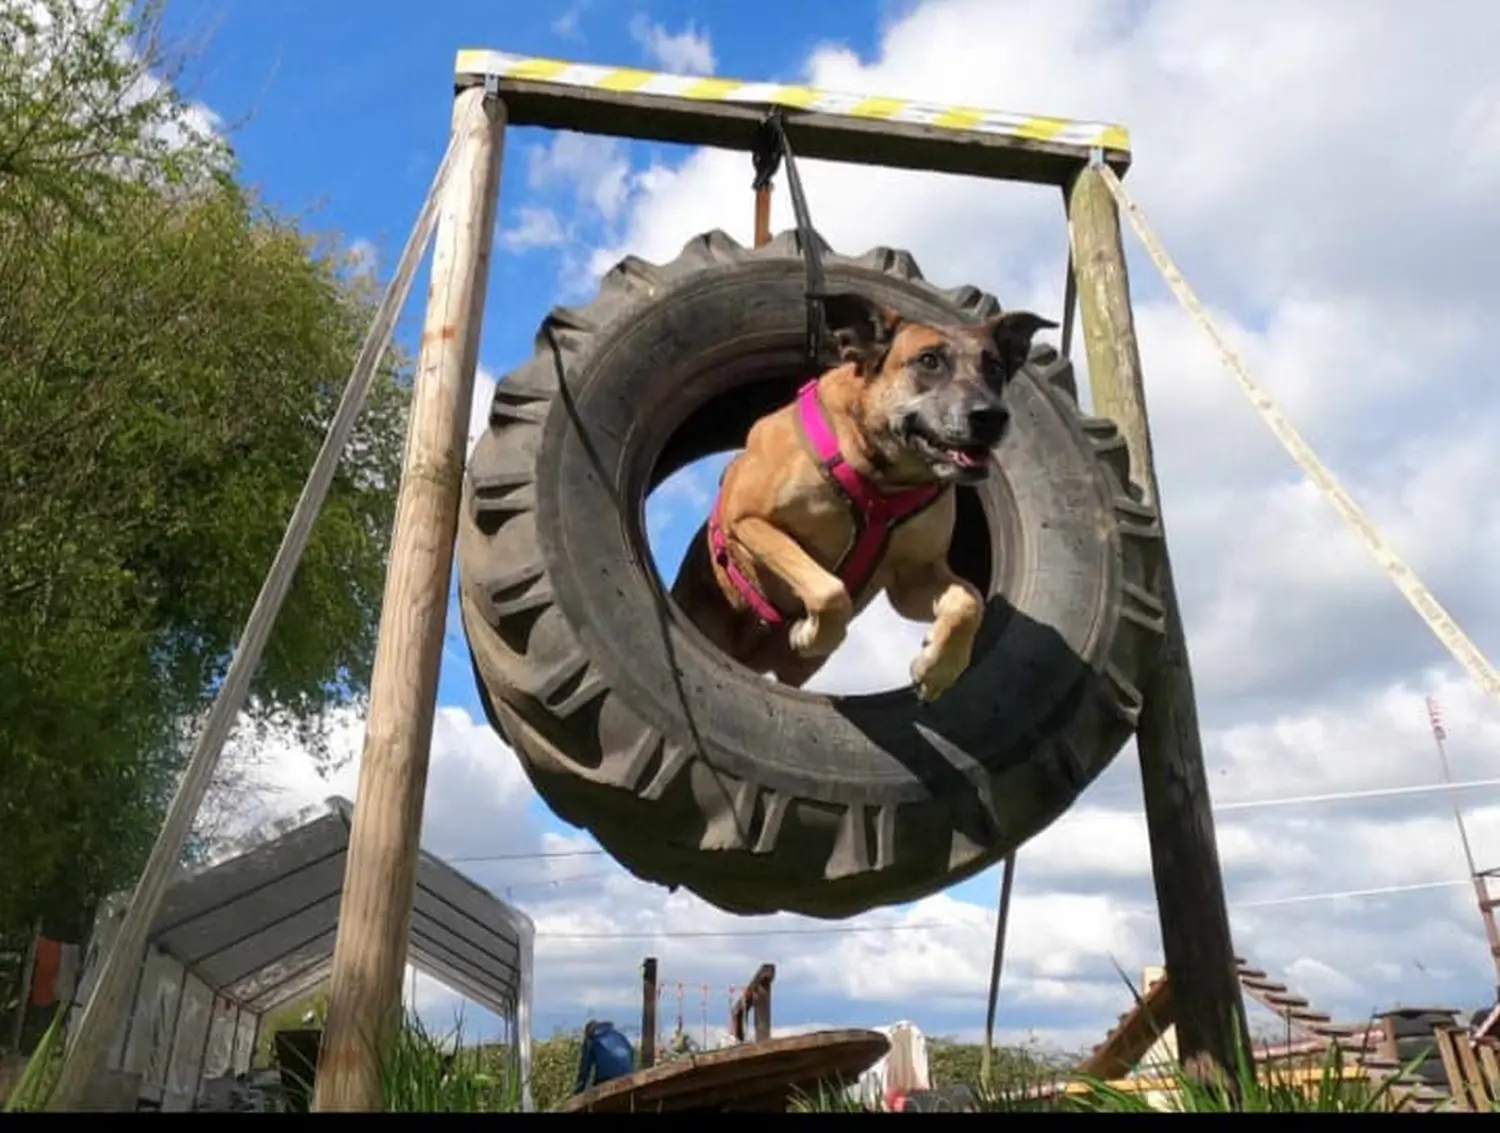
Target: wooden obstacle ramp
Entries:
(762, 1077)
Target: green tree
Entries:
(171, 351)
(952, 1063)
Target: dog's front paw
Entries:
(815, 637)
(935, 671)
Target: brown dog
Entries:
(846, 492)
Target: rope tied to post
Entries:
(772, 149)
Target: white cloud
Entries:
(479, 407)
(1292, 178)
(364, 257)
(566, 25)
(1082, 906)
(595, 169)
(688, 51)
(534, 228)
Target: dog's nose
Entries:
(988, 419)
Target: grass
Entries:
(1026, 1083)
(34, 1088)
(1327, 1088)
(424, 1072)
(1330, 1087)
(421, 1072)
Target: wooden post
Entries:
(1199, 957)
(763, 217)
(737, 1017)
(755, 1001)
(762, 1005)
(380, 878)
(648, 1012)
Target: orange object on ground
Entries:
(44, 972)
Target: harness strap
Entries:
(876, 513)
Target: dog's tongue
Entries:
(968, 459)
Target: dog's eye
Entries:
(930, 360)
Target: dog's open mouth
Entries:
(968, 460)
(968, 457)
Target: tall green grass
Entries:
(1033, 1086)
(1248, 1090)
(1328, 1091)
(422, 1072)
(34, 1089)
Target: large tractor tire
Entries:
(688, 768)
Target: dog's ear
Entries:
(1012, 332)
(861, 328)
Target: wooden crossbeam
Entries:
(694, 110)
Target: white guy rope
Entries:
(1428, 608)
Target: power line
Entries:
(843, 930)
(540, 883)
(1382, 891)
(539, 856)
(1343, 796)
(856, 930)
(1248, 804)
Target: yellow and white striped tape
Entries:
(479, 63)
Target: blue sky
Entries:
(344, 112)
(1347, 293)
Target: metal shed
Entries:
(255, 928)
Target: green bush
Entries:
(554, 1068)
(952, 1063)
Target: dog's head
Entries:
(933, 396)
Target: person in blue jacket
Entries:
(606, 1054)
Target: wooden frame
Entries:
(820, 124)
(491, 89)
(693, 111)
(369, 955)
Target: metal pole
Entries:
(166, 1066)
(234, 1041)
(208, 1034)
(1476, 878)
(1002, 916)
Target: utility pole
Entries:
(1478, 877)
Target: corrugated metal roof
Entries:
(259, 927)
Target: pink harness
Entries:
(876, 513)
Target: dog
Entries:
(848, 491)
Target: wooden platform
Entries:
(762, 1077)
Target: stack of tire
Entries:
(1413, 1029)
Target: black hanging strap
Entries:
(772, 147)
